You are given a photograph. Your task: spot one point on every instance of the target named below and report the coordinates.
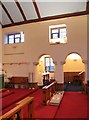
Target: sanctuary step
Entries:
(56, 99)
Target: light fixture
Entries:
(74, 56)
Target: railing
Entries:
(17, 112)
(48, 92)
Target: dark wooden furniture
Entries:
(87, 87)
(46, 79)
(21, 82)
(70, 76)
(52, 80)
(48, 92)
(18, 82)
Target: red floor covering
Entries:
(10, 100)
(73, 105)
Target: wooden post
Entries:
(48, 92)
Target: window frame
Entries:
(58, 39)
(54, 33)
(14, 38)
(58, 31)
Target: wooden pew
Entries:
(17, 112)
(17, 82)
(22, 82)
(48, 91)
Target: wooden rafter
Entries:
(87, 7)
(48, 18)
(38, 14)
(20, 9)
(36, 8)
(6, 11)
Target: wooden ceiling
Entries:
(17, 12)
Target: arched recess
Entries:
(74, 68)
(41, 68)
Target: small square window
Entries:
(14, 38)
(57, 34)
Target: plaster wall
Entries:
(37, 43)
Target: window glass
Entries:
(51, 62)
(17, 40)
(22, 37)
(63, 33)
(51, 68)
(11, 36)
(11, 39)
(17, 36)
(49, 65)
(47, 62)
(54, 36)
(55, 31)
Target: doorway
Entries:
(74, 72)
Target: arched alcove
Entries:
(45, 66)
(74, 69)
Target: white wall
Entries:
(36, 44)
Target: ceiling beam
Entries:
(48, 18)
(87, 7)
(36, 9)
(20, 9)
(6, 11)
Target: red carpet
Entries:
(6, 93)
(11, 99)
(74, 105)
(88, 106)
(40, 110)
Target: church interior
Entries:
(44, 60)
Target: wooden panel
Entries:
(69, 76)
(19, 79)
(60, 87)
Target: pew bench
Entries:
(17, 111)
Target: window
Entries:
(49, 65)
(54, 34)
(58, 34)
(14, 38)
